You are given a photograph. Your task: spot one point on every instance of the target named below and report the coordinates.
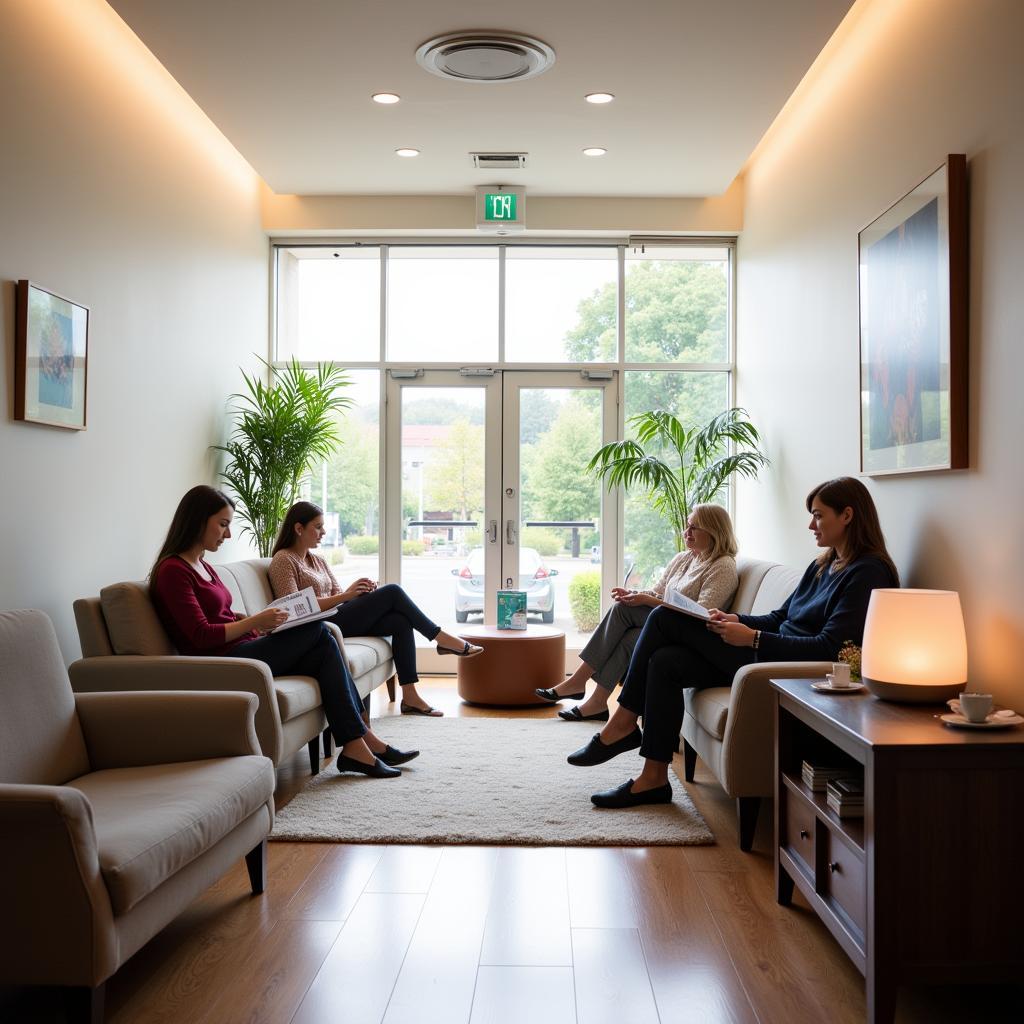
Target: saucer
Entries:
(992, 722)
(826, 688)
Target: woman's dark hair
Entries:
(863, 533)
(190, 518)
(302, 513)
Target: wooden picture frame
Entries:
(51, 358)
(912, 279)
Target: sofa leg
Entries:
(390, 684)
(328, 742)
(86, 1005)
(314, 754)
(747, 808)
(689, 761)
(366, 709)
(256, 863)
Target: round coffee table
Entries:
(515, 662)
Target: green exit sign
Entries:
(500, 206)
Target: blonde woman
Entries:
(705, 572)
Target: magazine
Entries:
(681, 603)
(302, 607)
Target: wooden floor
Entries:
(488, 935)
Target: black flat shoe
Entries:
(394, 758)
(468, 650)
(575, 715)
(554, 697)
(596, 752)
(377, 770)
(622, 796)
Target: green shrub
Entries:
(335, 556)
(413, 547)
(546, 542)
(473, 538)
(362, 545)
(585, 600)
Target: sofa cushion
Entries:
(779, 582)
(250, 577)
(710, 708)
(132, 621)
(751, 572)
(152, 821)
(362, 655)
(296, 695)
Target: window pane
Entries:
(693, 398)
(443, 304)
(677, 305)
(328, 303)
(560, 305)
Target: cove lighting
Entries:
(594, 151)
(385, 97)
(599, 97)
(407, 152)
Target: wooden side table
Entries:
(515, 662)
(922, 887)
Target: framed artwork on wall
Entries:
(912, 275)
(51, 358)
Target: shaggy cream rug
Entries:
(486, 780)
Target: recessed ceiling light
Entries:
(386, 97)
(407, 152)
(599, 97)
(594, 151)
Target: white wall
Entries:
(903, 83)
(116, 191)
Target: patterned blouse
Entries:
(289, 574)
(711, 584)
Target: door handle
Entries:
(510, 531)
(492, 531)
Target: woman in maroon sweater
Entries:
(195, 607)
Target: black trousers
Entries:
(674, 652)
(311, 650)
(388, 611)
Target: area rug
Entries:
(486, 780)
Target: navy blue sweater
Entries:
(822, 614)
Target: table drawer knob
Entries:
(804, 833)
(834, 866)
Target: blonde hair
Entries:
(714, 520)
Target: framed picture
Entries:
(51, 358)
(913, 329)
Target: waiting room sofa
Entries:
(732, 728)
(116, 811)
(120, 633)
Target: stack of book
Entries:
(817, 776)
(845, 796)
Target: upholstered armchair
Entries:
(116, 811)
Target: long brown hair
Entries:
(190, 519)
(302, 513)
(864, 535)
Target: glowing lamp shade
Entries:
(915, 647)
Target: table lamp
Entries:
(914, 648)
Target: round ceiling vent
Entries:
(485, 57)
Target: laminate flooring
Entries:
(495, 935)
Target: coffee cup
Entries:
(975, 707)
(839, 679)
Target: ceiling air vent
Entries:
(485, 56)
(499, 161)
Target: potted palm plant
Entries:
(281, 429)
(680, 467)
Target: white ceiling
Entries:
(697, 83)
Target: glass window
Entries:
(328, 303)
(561, 305)
(677, 305)
(443, 303)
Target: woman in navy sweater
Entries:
(676, 651)
(195, 608)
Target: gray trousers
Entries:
(608, 651)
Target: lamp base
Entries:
(910, 693)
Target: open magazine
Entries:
(681, 603)
(302, 607)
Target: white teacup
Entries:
(975, 707)
(839, 678)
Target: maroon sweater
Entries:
(194, 611)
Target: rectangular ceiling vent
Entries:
(499, 161)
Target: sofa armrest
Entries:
(128, 730)
(57, 912)
(748, 754)
(129, 672)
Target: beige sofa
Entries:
(732, 728)
(116, 811)
(120, 632)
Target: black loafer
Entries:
(622, 796)
(377, 770)
(575, 715)
(596, 752)
(393, 757)
(554, 697)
